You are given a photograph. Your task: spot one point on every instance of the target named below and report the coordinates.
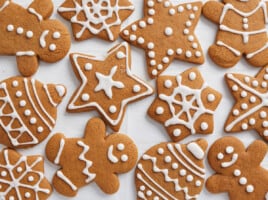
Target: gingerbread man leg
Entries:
(224, 55)
(27, 63)
(259, 58)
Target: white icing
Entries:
(147, 89)
(7, 2)
(251, 55)
(40, 129)
(61, 147)
(250, 188)
(176, 132)
(30, 178)
(196, 150)
(100, 19)
(124, 158)
(106, 83)
(29, 34)
(159, 110)
(20, 30)
(60, 90)
(51, 101)
(10, 28)
(168, 159)
(56, 35)
(168, 31)
(88, 66)
(33, 120)
(204, 126)
(211, 97)
(82, 157)
(136, 88)
(25, 53)
(175, 166)
(52, 47)
(15, 182)
(120, 55)
(231, 162)
(220, 156)
(229, 149)
(111, 156)
(42, 39)
(120, 147)
(160, 151)
(66, 180)
(189, 178)
(85, 97)
(237, 172)
(233, 50)
(243, 181)
(112, 109)
(34, 12)
(168, 84)
(27, 112)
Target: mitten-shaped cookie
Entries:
(96, 157)
(238, 169)
(171, 171)
(29, 34)
(242, 31)
(28, 111)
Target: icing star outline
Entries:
(251, 108)
(166, 32)
(111, 107)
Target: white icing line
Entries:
(49, 96)
(235, 52)
(250, 55)
(230, 163)
(196, 150)
(66, 180)
(33, 11)
(57, 159)
(25, 53)
(42, 40)
(110, 155)
(7, 2)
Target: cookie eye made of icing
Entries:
(220, 156)
(229, 150)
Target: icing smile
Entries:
(230, 163)
(111, 156)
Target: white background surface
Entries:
(143, 130)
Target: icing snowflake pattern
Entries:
(100, 16)
(14, 178)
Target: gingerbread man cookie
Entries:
(22, 177)
(238, 170)
(166, 32)
(29, 34)
(242, 31)
(101, 18)
(96, 157)
(108, 85)
(250, 110)
(185, 105)
(28, 111)
(171, 171)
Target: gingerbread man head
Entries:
(96, 157)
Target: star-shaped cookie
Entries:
(166, 32)
(185, 104)
(101, 18)
(251, 108)
(107, 84)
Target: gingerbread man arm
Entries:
(256, 152)
(42, 9)
(95, 130)
(108, 184)
(213, 10)
(27, 63)
(218, 183)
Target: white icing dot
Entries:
(265, 133)
(211, 97)
(180, 9)
(177, 132)
(170, 52)
(151, 54)
(179, 51)
(245, 26)
(204, 126)
(195, 45)
(150, 45)
(263, 114)
(188, 54)
(189, 6)
(142, 188)
(265, 124)
(244, 126)
(3, 173)
(132, 37)
(167, 159)
(244, 106)
(27, 195)
(27, 112)
(250, 188)
(85, 97)
(20, 30)
(237, 172)
(150, 3)
(88, 66)
(159, 67)
(168, 31)
(149, 193)
(252, 99)
(265, 77)
(56, 35)
(175, 166)
(29, 34)
(245, 20)
(247, 79)
(150, 20)
(11, 198)
(172, 11)
(22, 103)
(243, 181)
(198, 183)
(134, 26)
(264, 84)
(252, 121)
(165, 60)
(19, 169)
(124, 158)
(154, 72)
(120, 55)
(142, 24)
(255, 83)
(136, 88)
(10, 28)
(52, 47)
(189, 178)
(120, 147)
(15, 83)
(192, 76)
(30, 178)
(191, 38)
(235, 112)
(229, 149)
(159, 110)
(188, 23)
(141, 40)
(235, 88)
(167, 4)
(195, 8)
(18, 94)
(33, 120)
(126, 32)
(198, 54)
(244, 94)
(153, 63)
(192, 16)
(182, 172)
(168, 84)
(156, 198)
(220, 156)
(40, 129)
(160, 151)
(112, 109)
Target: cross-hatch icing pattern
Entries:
(16, 183)
(187, 105)
(99, 13)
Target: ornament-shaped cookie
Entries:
(171, 171)
(22, 177)
(30, 35)
(95, 158)
(166, 32)
(238, 169)
(185, 105)
(28, 111)
(242, 31)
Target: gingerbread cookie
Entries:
(250, 110)
(107, 84)
(96, 157)
(242, 31)
(238, 170)
(166, 32)
(185, 104)
(22, 177)
(29, 34)
(101, 18)
(171, 171)
(28, 110)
